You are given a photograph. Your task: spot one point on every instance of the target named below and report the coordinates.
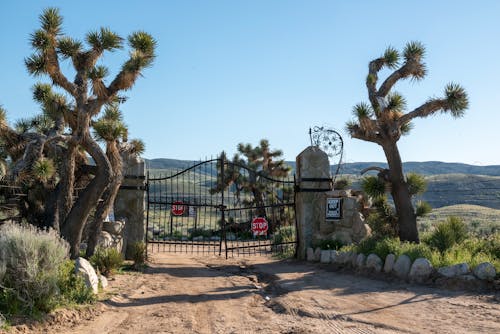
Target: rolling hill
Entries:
(448, 183)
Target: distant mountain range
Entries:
(424, 168)
(447, 183)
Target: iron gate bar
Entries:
(173, 191)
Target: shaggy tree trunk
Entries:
(109, 197)
(407, 220)
(89, 197)
(66, 187)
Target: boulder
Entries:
(325, 256)
(105, 240)
(85, 269)
(485, 271)
(402, 266)
(389, 262)
(420, 270)
(343, 257)
(360, 260)
(354, 259)
(454, 270)
(374, 262)
(113, 227)
(104, 281)
(344, 236)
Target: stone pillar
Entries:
(313, 178)
(130, 203)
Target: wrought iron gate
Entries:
(218, 206)
(212, 206)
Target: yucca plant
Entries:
(77, 109)
(385, 119)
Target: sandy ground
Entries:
(185, 294)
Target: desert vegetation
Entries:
(55, 154)
(385, 119)
(64, 179)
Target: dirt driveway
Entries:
(184, 294)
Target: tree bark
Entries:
(108, 197)
(66, 185)
(407, 220)
(88, 199)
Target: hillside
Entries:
(425, 168)
(448, 183)
(480, 220)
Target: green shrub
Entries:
(367, 246)
(107, 260)
(387, 246)
(415, 251)
(447, 234)
(72, 286)
(280, 238)
(329, 244)
(30, 261)
(473, 251)
(422, 209)
(284, 234)
(382, 225)
(139, 254)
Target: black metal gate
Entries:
(218, 206)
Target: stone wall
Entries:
(314, 187)
(351, 226)
(130, 203)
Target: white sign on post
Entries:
(333, 208)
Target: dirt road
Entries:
(183, 294)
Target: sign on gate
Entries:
(178, 208)
(333, 208)
(259, 226)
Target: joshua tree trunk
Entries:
(88, 199)
(109, 197)
(407, 220)
(66, 187)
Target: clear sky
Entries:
(238, 71)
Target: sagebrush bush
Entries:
(447, 234)
(106, 260)
(72, 286)
(139, 254)
(30, 261)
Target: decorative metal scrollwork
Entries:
(330, 141)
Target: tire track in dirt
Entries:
(183, 294)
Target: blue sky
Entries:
(238, 71)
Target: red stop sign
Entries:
(259, 226)
(178, 208)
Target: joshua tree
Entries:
(110, 129)
(73, 112)
(385, 119)
(259, 162)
